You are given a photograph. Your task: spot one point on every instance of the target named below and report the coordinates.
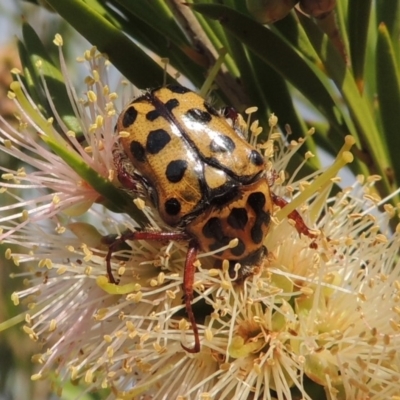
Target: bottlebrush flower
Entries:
(319, 318)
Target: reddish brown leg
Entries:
(188, 273)
(300, 225)
(188, 281)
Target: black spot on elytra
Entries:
(171, 104)
(211, 109)
(257, 202)
(222, 144)
(257, 233)
(239, 249)
(172, 206)
(199, 115)
(178, 89)
(175, 170)
(137, 151)
(213, 229)
(238, 218)
(129, 117)
(152, 115)
(157, 140)
(219, 243)
(256, 158)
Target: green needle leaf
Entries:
(129, 58)
(278, 53)
(115, 199)
(361, 124)
(37, 63)
(358, 23)
(388, 88)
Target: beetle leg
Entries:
(111, 248)
(188, 273)
(188, 281)
(295, 216)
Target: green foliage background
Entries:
(352, 85)
(339, 74)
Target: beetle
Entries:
(208, 184)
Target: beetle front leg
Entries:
(188, 273)
(139, 235)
